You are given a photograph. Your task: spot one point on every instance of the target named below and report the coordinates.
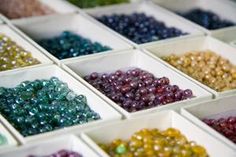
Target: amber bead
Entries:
(207, 67)
(13, 56)
(155, 143)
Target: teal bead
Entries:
(44, 105)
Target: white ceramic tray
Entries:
(218, 108)
(11, 142)
(11, 79)
(162, 121)
(6, 30)
(194, 44)
(225, 9)
(130, 59)
(149, 9)
(50, 26)
(48, 147)
(226, 35)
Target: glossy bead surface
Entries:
(225, 126)
(207, 19)
(207, 67)
(68, 45)
(61, 153)
(44, 105)
(95, 3)
(155, 143)
(13, 56)
(137, 89)
(139, 27)
(14, 9)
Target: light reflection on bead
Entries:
(206, 67)
(44, 105)
(13, 56)
(155, 143)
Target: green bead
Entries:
(121, 149)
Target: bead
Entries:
(61, 153)
(48, 105)
(139, 27)
(94, 3)
(3, 140)
(154, 143)
(69, 44)
(225, 126)
(13, 56)
(137, 89)
(207, 19)
(207, 67)
(14, 9)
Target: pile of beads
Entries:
(225, 126)
(61, 153)
(44, 105)
(206, 19)
(139, 27)
(14, 9)
(95, 3)
(13, 56)
(3, 140)
(155, 143)
(68, 44)
(206, 67)
(137, 89)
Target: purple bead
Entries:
(137, 89)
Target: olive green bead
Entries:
(13, 56)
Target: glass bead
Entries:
(14, 9)
(139, 27)
(137, 89)
(49, 105)
(210, 69)
(154, 143)
(8, 55)
(94, 3)
(69, 44)
(3, 140)
(207, 19)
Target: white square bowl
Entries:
(12, 79)
(180, 47)
(11, 141)
(218, 108)
(6, 30)
(150, 9)
(162, 120)
(50, 146)
(226, 35)
(225, 9)
(50, 26)
(129, 59)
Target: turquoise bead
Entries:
(44, 105)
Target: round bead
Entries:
(14, 9)
(137, 89)
(3, 140)
(47, 106)
(207, 67)
(68, 45)
(139, 27)
(155, 143)
(94, 3)
(207, 19)
(62, 153)
(226, 126)
(13, 56)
